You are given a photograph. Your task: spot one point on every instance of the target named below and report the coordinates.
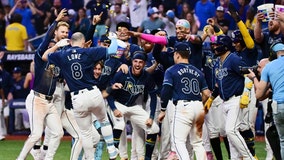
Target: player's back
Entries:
(76, 65)
(187, 82)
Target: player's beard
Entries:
(136, 71)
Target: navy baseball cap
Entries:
(105, 39)
(278, 47)
(17, 70)
(181, 46)
(123, 24)
(140, 55)
(153, 32)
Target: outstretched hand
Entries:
(88, 44)
(134, 34)
(97, 18)
(61, 15)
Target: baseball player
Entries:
(247, 50)
(39, 101)
(156, 71)
(76, 64)
(230, 83)
(121, 30)
(164, 56)
(186, 85)
(214, 125)
(123, 102)
(103, 77)
(66, 115)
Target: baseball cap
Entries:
(181, 46)
(153, 32)
(140, 55)
(105, 39)
(123, 24)
(17, 70)
(153, 11)
(170, 14)
(220, 8)
(278, 47)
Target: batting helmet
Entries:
(237, 36)
(224, 44)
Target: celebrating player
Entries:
(184, 84)
(39, 101)
(230, 83)
(123, 101)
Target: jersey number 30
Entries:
(190, 86)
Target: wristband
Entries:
(109, 89)
(253, 78)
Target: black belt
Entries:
(175, 102)
(89, 89)
(236, 95)
(43, 96)
(60, 80)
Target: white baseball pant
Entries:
(188, 118)
(42, 111)
(233, 118)
(67, 120)
(85, 103)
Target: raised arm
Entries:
(45, 43)
(91, 29)
(258, 35)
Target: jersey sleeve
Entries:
(151, 85)
(110, 98)
(98, 53)
(203, 84)
(264, 74)
(168, 80)
(237, 64)
(54, 58)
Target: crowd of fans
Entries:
(37, 15)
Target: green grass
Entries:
(9, 150)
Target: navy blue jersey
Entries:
(133, 87)
(166, 59)
(45, 75)
(6, 81)
(77, 64)
(195, 57)
(186, 81)
(158, 73)
(249, 56)
(228, 76)
(209, 61)
(18, 90)
(110, 67)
